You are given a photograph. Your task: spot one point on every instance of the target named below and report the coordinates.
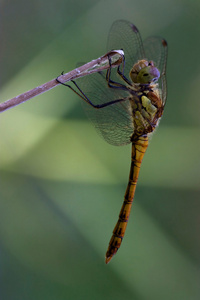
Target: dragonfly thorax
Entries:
(144, 72)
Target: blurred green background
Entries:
(62, 186)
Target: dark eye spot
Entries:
(145, 74)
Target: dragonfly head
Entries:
(144, 72)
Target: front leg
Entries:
(111, 83)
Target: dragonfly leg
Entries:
(97, 105)
(86, 99)
(111, 83)
(82, 95)
(121, 74)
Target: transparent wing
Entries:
(124, 35)
(156, 50)
(113, 122)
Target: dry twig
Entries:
(97, 65)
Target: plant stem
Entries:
(97, 65)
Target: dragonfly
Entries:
(126, 106)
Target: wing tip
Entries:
(134, 28)
(164, 42)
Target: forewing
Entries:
(156, 50)
(124, 35)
